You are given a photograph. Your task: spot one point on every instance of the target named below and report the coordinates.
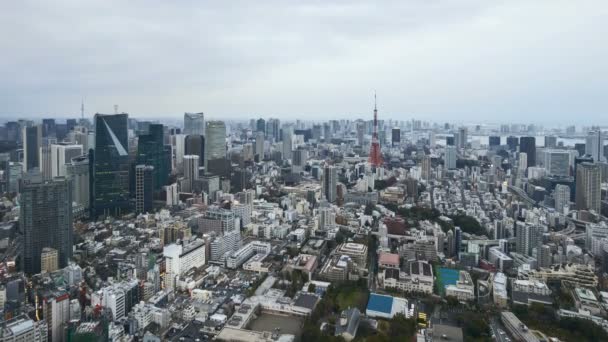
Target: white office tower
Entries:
(594, 145)
(522, 162)
(450, 157)
(528, 238)
(178, 143)
(215, 141)
(172, 194)
(182, 257)
(561, 195)
(61, 155)
(259, 145)
(46, 163)
(194, 123)
(595, 232)
(432, 139)
(190, 172)
(330, 182)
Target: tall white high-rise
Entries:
(450, 157)
(594, 145)
(194, 123)
(561, 195)
(287, 142)
(61, 155)
(523, 162)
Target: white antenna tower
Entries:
(115, 109)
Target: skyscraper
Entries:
(425, 165)
(215, 141)
(462, 137)
(594, 145)
(550, 141)
(195, 145)
(194, 123)
(259, 145)
(528, 146)
(287, 142)
(45, 220)
(109, 164)
(78, 172)
(396, 136)
(588, 187)
(191, 164)
(32, 140)
(450, 157)
(330, 181)
(494, 141)
(561, 194)
(61, 156)
(261, 125)
(512, 142)
(558, 163)
(144, 188)
(528, 238)
(151, 151)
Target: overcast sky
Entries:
(468, 61)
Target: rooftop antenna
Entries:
(115, 109)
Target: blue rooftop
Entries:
(380, 303)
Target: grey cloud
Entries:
(457, 60)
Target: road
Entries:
(499, 334)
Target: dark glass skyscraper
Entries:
(150, 151)
(110, 166)
(45, 220)
(512, 142)
(32, 140)
(494, 141)
(528, 146)
(195, 145)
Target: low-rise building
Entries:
(383, 306)
(418, 278)
(526, 292)
(464, 289)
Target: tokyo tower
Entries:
(375, 156)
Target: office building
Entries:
(151, 151)
(181, 258)
(588, 188)
(528, 237)
(330, 182)
(191, 173)
(110, 166)
(144, 188)
(287, 143)
(194, 123)
(32, 141)
(24, 329)
(462, 137)
(61, 156)
(195, 145)
(450, 157)
(528, 146)
(557, 163)
(425, 165)
(512, 143)
(259, 146)
(522, 162)
(215, 141)
(550, 141)
(561, 195)
(49, 260)
(594, 145)
(494, 141)
(45, 220)
(396, 136)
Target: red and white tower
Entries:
(375, 156)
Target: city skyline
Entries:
(472, 62)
